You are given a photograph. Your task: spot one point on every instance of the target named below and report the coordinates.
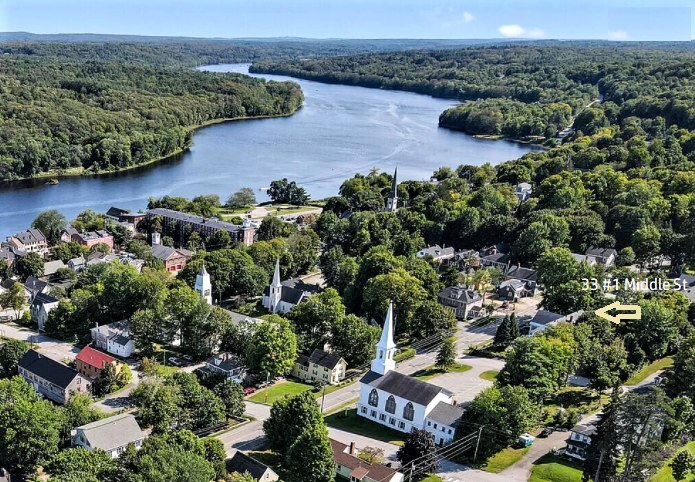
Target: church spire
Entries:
(386, 348)
(203, 284)
(276, 275)
(275, 290)
(392, 200)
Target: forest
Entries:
(63, 115)
(524, 91)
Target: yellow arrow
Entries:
(634, 312)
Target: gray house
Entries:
(112, 434)
(51, 378)
(460, 300)
(242, 463)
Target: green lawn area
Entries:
(432, 371)
(253, 309)
(554, 469)
(489, 375)
(333, 388)
(665, 474)
(503, 459)
(432, 478)
(353, 423)
(278, 391)
(653, 367)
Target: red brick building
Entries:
(90, 362)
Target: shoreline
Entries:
(82, 172)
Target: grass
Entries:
(665, 473)
(254, 309)
(650, 369)
(489, 375)
(333, 388)
(342, 406)
(503, 459)
(432, 478)
(278, 391)
(353, 423)
(432, 371)
(555, 469)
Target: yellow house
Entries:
(320, 366)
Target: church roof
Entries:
(403, 386)
(288, 295)
(446, 413)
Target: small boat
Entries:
(52, 182)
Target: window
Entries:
(401, 425)
(373, 398)
(373, 414)
(382, 417)
(364, 409)
(409, 411)
(435, 425)
(391, 404)
(429, 424)
(449, 431)
(392, 421)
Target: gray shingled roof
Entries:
(406, 387)
(462, 294)
(446, 414)
(113, 432)
(324, 359)
(519, 272)
(47, 368)
(543, 317)
(583, 429)
(243, 463)
(192, 218)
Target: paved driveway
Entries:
(52, 348)
(465, 386)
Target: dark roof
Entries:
(406, 387)
(30, 236)
(601, 252)
(543, 317)
(35, 285)
(225, 361)
(47, 368)
(519, 272)
(243, 463)
(42, 298)
(583, 429)
(446, 413)
(496, 258)
(8, 283)
(302, 360)
(299, 284)
(514, 284)
(287, 294)
(324, 359)
(193, 219)
(91, 235)
(120, 340)
(162, 252)
(373, 471)
(116, 212)
(458, 293)
(369, 377)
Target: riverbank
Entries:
(81, 171)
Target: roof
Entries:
(299, 284)
(289, 295)
(91, 235)
(585, 429)
(523, 186)
(544, 317)
(164, 253)
(459, 293)
(495, 258)
(50, 267)
(116, 212)
(112, 432)
(514, 284)
(359, 467)
(437, 251)
(35, 285)
(601, 252)
(192, 218)
(225, 361)
(324, 359)
(47, 368)
(446, 413)
(44, 298)
(94, 358)
(242, 463)
(406, 387)
(30, 236)
(70, 231)
(519, 272)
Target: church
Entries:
(281, 297)
(401, 402)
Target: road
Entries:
(52, 348)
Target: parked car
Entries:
(174, 361)
(249, 390)
(188, 358)
(546, 432)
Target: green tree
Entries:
(682, 380)
(237, 477)
(273, 347)
(646, 243)
(431, 318)
(29, 265)
(446, 357)
(507, 332)
(354, 340)
(81, 463)
(310, 457)
(403, 289)
(243, 198)
(67, 251)
(158, 405)
(78, 410)
(88, 220)
(289, 418)
(557, 266)
(682, 465)
(313, 319)
(216, 456)
(50, 223)
(232, 395)
(14, 298)
(420, 447)
(11, 352)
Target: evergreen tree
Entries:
(446, 358)
(603, 454)
(507, 332)
(682, 464)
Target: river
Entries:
(341, 130)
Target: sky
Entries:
(476, 19)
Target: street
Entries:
(52, 348)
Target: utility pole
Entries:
(267, 385)
(323, 397)
(477, 443)
(600, 461)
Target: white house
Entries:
(112, 434)
(114, 338)
(42, 305)
(228, 365)
(203, 285)
(392, 199)
(580, 439)
(523, 191)
(395, 400)
(281, 297)
(437, 253)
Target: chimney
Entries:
(352, 448)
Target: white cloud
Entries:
(468, 17)
(512, 30)
(618, 35)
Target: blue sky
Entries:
(565, 19)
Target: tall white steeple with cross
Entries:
(386, 348)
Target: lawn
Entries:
(253, 309)
(665, 474)
(432, 478)
(278, 391)
(432, 371)
(554, 469)
(650, 369)
(489, 375)
(353, 423)
(503, 459)
(333, 388)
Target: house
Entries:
(90, 362)
(496, 260)
(393, 399)
(442, 421)
(527, 275)
(35, 286)
(460, 300)
(77, 264)
(437, 253)
(42, 305)
(352, 468)
(228, 365)
(513, 290)
(174, 223)
(281, 297)
(112, 434)
(467, 258)
(7, 285)
(67, 234)
(50, 268)
(115, 213)
(51, 378)
(98, 257)
(174, 259)
(114, 338)
(523, 191)
(583, 258)
(242, 463)
(7, 256)
(320, 367)
(544, 319)
(687, 285)
(580, 439)
(93, 238)
(132, 219)
(604, 256)
(30, 241)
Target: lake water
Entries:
(340, 130)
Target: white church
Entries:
(281, 297)
(401, 402)
(203, 285)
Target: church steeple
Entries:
(275, 289)
(203, 285)
(392, 200)
(386, 348)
